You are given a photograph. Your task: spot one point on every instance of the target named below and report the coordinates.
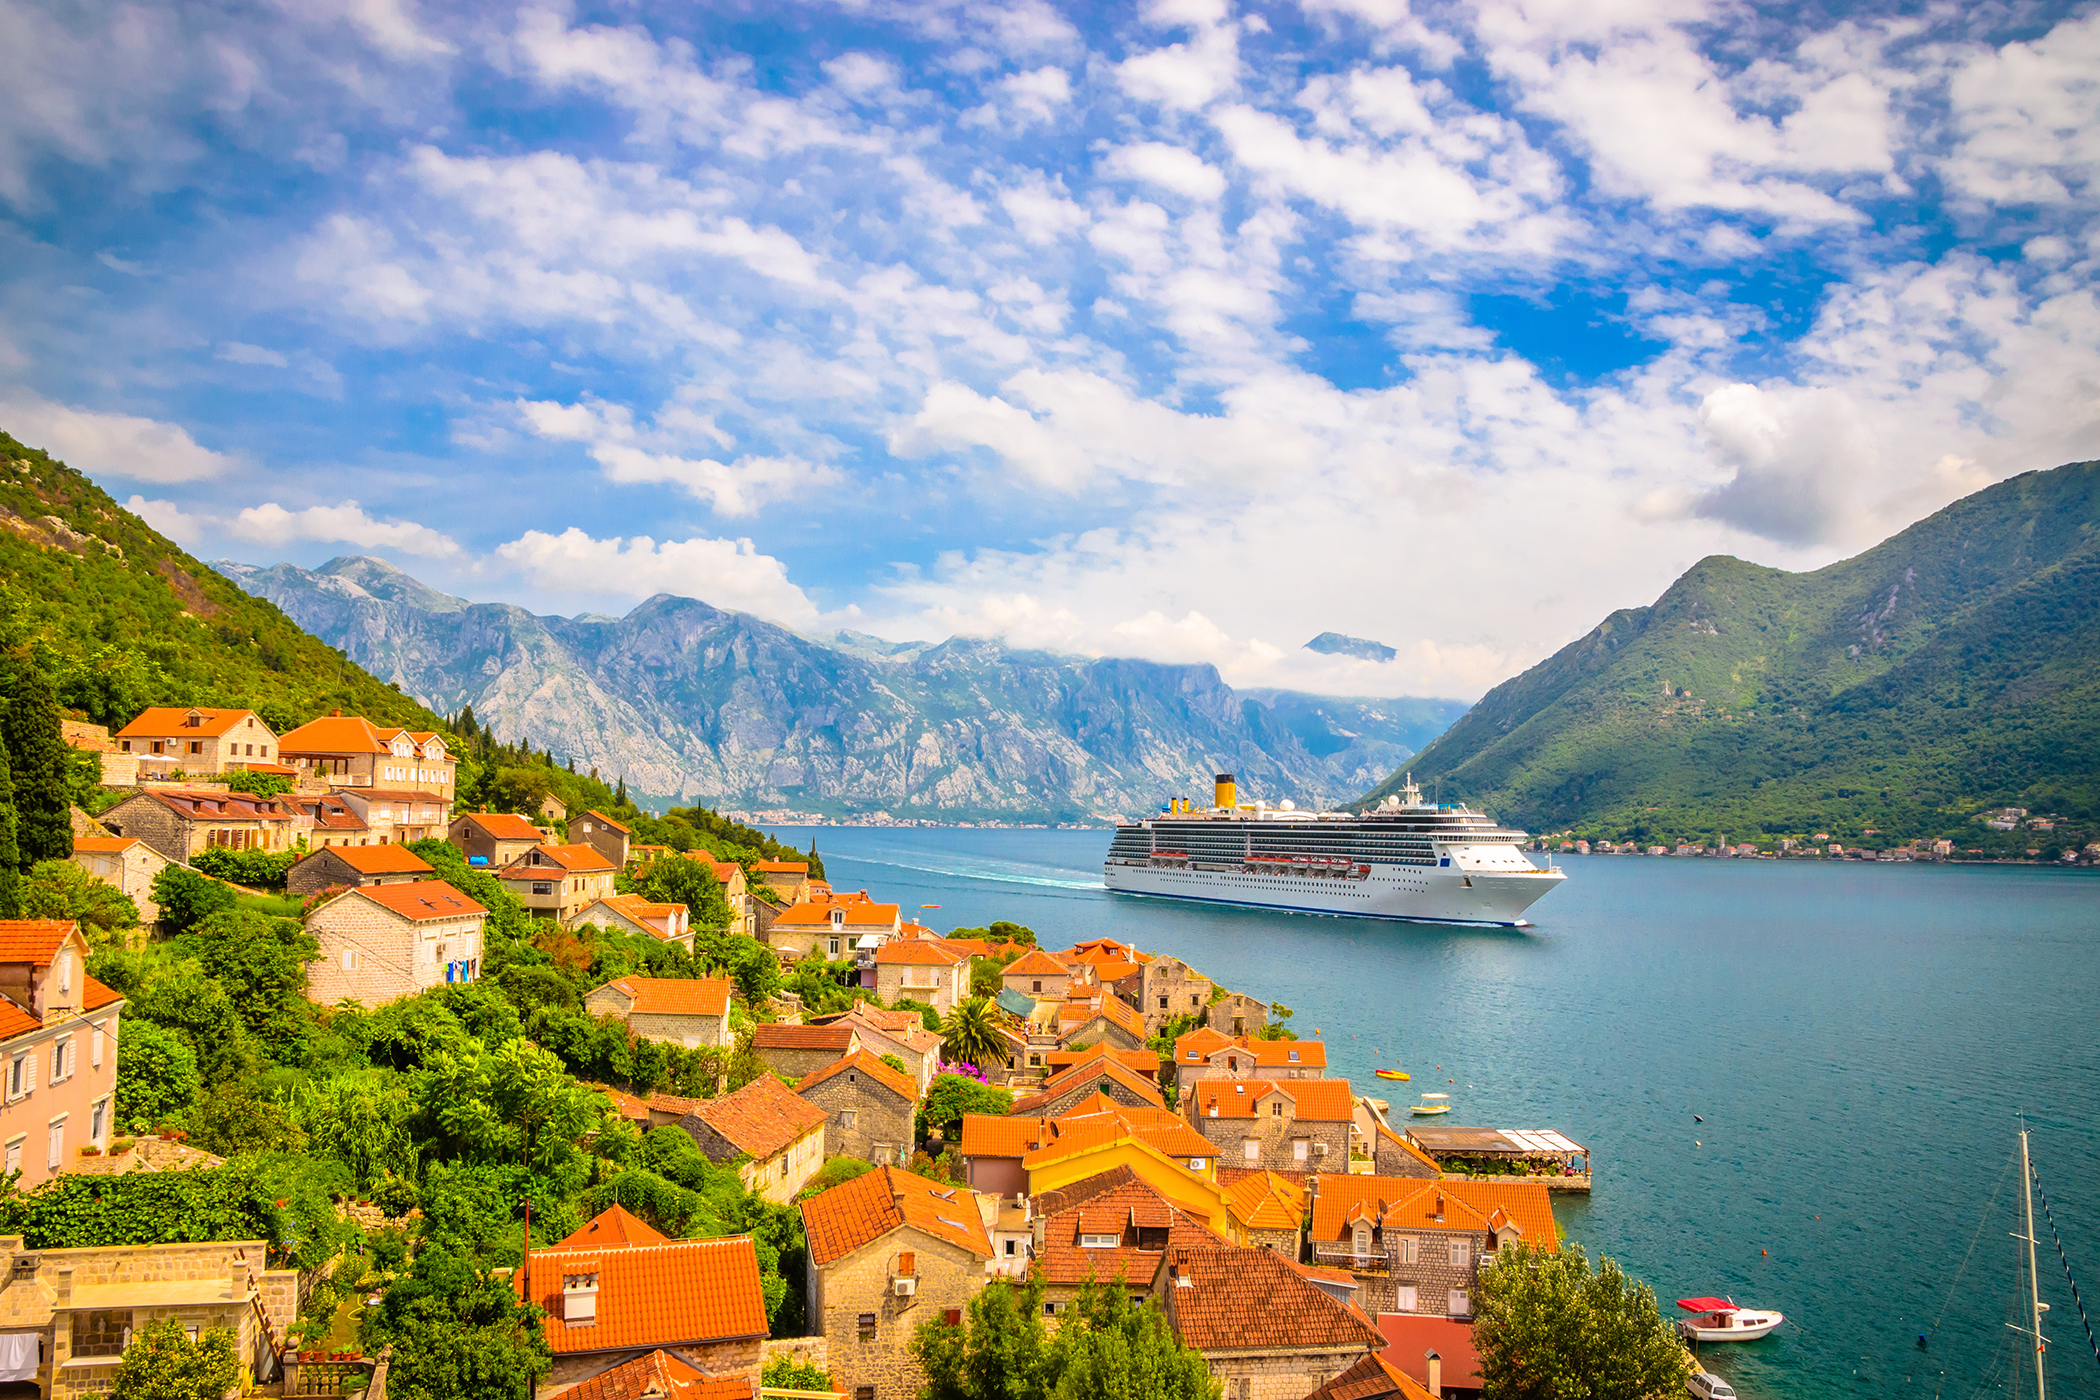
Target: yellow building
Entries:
(1193, 1190)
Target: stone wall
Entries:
(1277, 1375)
(739, 1359)
(688, 1031)
(881, 1129)
(1170, 988)
(1277, 1143)
(882, 1368)
(395, 958)
(794, 1061)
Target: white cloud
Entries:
(2028, 118)
(634, 454)
(239, 353)
(347, 523)
(1186, 75)
(1173, 168)
(170, 519)
(113, 444)
(727, 573)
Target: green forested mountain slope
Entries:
(129, 620)
(1949, 669)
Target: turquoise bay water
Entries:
(1858, 1039)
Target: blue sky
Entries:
(1187, 330)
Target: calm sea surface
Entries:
(1858, 1039)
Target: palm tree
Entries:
(970, 1033)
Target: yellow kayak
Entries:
(1390, 1073)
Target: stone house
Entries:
(833, 929)
(1144, 1062)
(776, 1139)
(1122, 1232)
(324, 819)
(81, 1307)
(1236, 1013)
(1265, 1331)
(1417, 1246)
(786, 880)
(1169, 987)
(58, 1049)
(379, 943)
(398, 814)
(687, 1011)
(611, 838)
(925, 970)
(1393, 1155)
(1103, 1075)
(1270, 1208)
(196, 742)
(664, 1375)
(737, 891)
(492, 840)
(182, 822)
(1375, 1378)
(793, 1051)
(350, 866)
(888, 1251)
(349, 751)
(900, 1033)
(1297, 1125)
(1036, 974)
(630, 913)
(557, 882)
(118, 769)
(870, 1106)
(617, 1291)
(1103, 1020)
(126, 862)
(999, 1153)
(1205, 1054)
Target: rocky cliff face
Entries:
(689, 702)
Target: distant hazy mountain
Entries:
(687, 701)
(1341, 644)
(1954, 666)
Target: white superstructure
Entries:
(1405, 859)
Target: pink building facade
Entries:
(58, 1050)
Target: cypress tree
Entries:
(10, 854)
(38, 756)
(620, 793)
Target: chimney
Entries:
(62, 1292)
(335, 714)
(237, 1280)
(1436, 1373)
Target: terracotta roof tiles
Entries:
(1057, 1085)
(1410, 1203)
(32, 940)
(1313, 1100)
(574, 859)
(660, 1376)
(681, 1292)
(1035, 964)
(600, 816)
(835, 1037)
(104, 845)
(1227, 1286)
(860, 1211)
(860, 1062)
(760, 1119)
(918, 952)
(503, 826)
(423, 900)
(1132, 1211)
(389, 859)
(615, 1227)
(172, 722)
(676, 996)
(1266, 1201)
(334, 734)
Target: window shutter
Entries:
(29, 1072)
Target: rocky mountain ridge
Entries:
(691, 702)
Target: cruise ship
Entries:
(1404, 859)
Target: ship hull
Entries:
(1430, 894)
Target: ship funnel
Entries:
(1227, 792)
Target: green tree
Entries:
(457, 1330)
(187, 898)
(971, 1035)
(111, 685)
(259, 784)
(59, 889)
(950, 1096)
(261, 962)
(836, 1172)
(1549, 1327)
(10, 843)
(156, 1075)
(1000, 1352)
(1111, 1347)
(785, 1373)
(40, 760)
(186, 999)
(162, 1363)
(232, 1119)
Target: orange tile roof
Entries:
(15, 1021)
(1410, 1203)
(104, 845)
(503, 826)
(624, 1104)
(1372, 1378)
(1057, 1085)
(760, 1119)
(616, 826)
(1035, 964)
(219, 804)
(1313, 1100)
(835, 1037)
(168, 721)
(1104, 950)
(918, 952)
(32, 941)
(1084, 1132)
(679, 1293)
(1145, 1062)
(676, 996)
(423, 900)
(859, 914)
(572, 859)
(334, 734)
(860, 1211)
(1108, 972)
(990, 1135)
(860, 1062)
(1266, 1201)
(388, 859)
(781, 867)
(633, 906)
(1196, 1047)
(1203, 1044)
(615, 1227)
(1130, 1212)
(94, 996)
(905, 1028)
(1113, 1009)
(1229, 1285)
(662, 1376)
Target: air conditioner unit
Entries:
(1319, 1149)
(905, 1287)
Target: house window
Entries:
(1461, 1305)
(1252, 1148)
(1461, 1253)
(1013, 1247)
(95, 1049)
(1163, 1003)
(1407, 1249)
(98, 1124)
(834, 947)
(1276, 1109)
(864, 1392)
(353, 959)
(57, 1155)
(849, 1117)
(18, 1077)
(101, 1333)
(1038, 984)
(14, 1151)
(1099, 1241)
(196, 746)
(952, 1316)
(1404, 1298)
(867, 1327)
(1298, 1149)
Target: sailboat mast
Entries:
(2034, 1282)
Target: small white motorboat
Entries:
(1721, 1320)
(1705, 1385)
(1432, 1103)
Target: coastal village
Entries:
(951, 1114)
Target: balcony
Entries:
(1355, 1263)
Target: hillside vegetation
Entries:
(1948, 670)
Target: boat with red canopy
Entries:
(1721, 1320)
